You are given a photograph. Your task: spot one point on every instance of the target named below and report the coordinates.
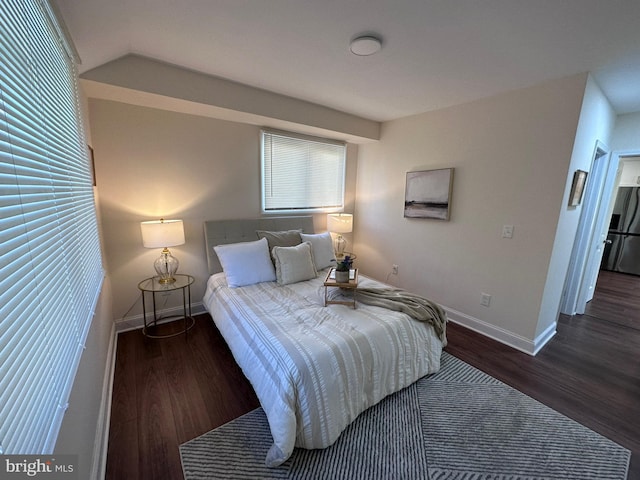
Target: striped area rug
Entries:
(459, 424)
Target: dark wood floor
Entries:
(169, 391)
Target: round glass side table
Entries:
(153, 286)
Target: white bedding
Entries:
(315, 368)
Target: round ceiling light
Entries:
(365, 46)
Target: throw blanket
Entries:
(417, 307)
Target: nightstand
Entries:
(352, 284)
(153, 286)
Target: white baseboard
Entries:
(101, 443)
(501, 335)
(544, 337)
(136, 322)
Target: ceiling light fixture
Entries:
(365, 45)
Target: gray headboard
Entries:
(220, 232)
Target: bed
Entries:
(313, 368)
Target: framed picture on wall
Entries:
(577, 188)
(428, 194)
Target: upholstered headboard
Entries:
(220, 232)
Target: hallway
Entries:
(616, 299)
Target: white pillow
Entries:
(294, 264)
(246, 263)
(323, 253)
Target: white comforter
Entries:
(314, 368)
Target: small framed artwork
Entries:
(428, 194)
(577, 188)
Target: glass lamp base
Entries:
(340, 246)
(166, 266)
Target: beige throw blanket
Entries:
(417, 307)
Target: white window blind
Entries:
(301, 173)
(51, 266)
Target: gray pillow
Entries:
(285, 238)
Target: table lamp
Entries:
(340, 223)
(163, 234)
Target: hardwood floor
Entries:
(169, 391)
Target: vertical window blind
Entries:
(301, 173)
(51, 266)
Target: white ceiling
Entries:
(436, 53)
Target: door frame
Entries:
(576, 270)
(602, 196)
(593, 217)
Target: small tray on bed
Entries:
(352, 284)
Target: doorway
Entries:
(591, 233)
(606, 175)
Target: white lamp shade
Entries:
(340, 222)
(162, 233)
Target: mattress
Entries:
(316, 368)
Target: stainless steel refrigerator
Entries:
(622, 251)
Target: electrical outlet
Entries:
(486, 300)
(394, 269)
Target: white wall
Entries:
(626, 136)
(626, 143)
(597, 120)
(153, 163)
(630, 176)
(512, 155)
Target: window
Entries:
(301, 173)
(49, 246)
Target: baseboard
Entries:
(544, 337)
(501, 335)
(526, 345)
(136, 322)
(101, 443)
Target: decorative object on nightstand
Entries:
(340, 223)
(163, 234)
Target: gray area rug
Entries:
(458, 424)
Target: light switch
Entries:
(507, 231)
(485, 300)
